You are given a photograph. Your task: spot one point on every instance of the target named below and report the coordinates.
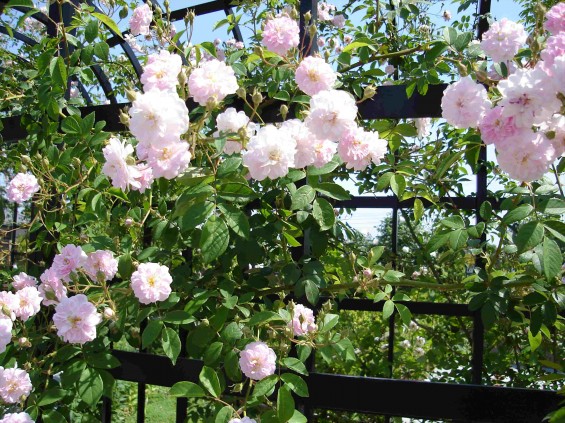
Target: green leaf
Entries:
(51, 396)
(517, 214)
(556, 228)
(109, 22)
(296, 365)
(265, 386)
(453, 222)
(329, 322)
(53, 416)
(535, 341)
(554, 206)
(90, 386)
(236, 220)
(186, 390)
(398, 184)
(404, 312)
(22, 3)
(224, 415)
(354, 45)
(214, 239)
(58, 72)
(302, 197)
(91, 31)
(264, 316)
(324, 214)
(72, 125)
(552, 258)
(102, 360)
(196, 215)
(209, 379)
(213, 353)
(529, 235)
(296, 383)
(388, 309)
(151, 332)
(333, 190)
(171, 344)
(418, 210)
(231, 366)
(285, 404)
(458, 239)
(102, 50)
(450, 35)
(312, 291)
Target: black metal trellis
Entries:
(338, 392)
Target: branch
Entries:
(380, 57)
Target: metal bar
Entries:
(106, 414)
(13, 235)
(415, 307)
(429, 400)
(236, 30)
(478, 349)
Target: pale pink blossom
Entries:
(145, 179)
(69, 260)
(314, 75)
(168, 159)
(496, 128)
(231, 122)
(556, 75)
(8, 303)
(75, 319)
(528, 96)
(358, 148)
(101, 264)
(16, 418)
(15, 385)
(281, 34)
(324, 151)
(347, 39)
(28, 303)
(321, 41)
(270, 153)
(151, 282)
(120, 164)
(464, 103)
(21, 280)
(331, 113)
(556, 126)
(389, 69)
(156, 116)
(161, 71)
(132, 42)
(6, 326)
(242, 420)
(526, 159)
(554, 48)
(303, 321)
(257, 360)
(555, 19)
(52, 289)
(324, 11)
(339, 20)
(503, 40)
(305, 153)
(140, 20)
(423, 127)
(212, 80)
(21, 188)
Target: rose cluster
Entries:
(526, 125)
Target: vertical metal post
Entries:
(13, 235)
(478, 349)
(106, 414)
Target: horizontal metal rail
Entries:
(406, 398)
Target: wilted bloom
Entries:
(303, 320)
(314, 75)
(446, 15)
(419, 352)
(464, 103)
(28, 302)
(389, 69)
(21, 188)
(406, 343)
(16, 418)
(212, 80)
(15, 385)
(101, 263)
(22, 280)
(151, 282)
(75, 319)
(141, 20)
(420, 341)
(281, 34)
(257, 360)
